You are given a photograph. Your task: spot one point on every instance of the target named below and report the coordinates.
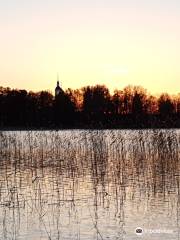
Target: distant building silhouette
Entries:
(58, 89)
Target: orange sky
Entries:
(115, 43)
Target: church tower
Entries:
(57, 89)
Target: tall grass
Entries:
(45, 175)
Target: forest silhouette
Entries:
(88, 107)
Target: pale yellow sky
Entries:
(102, 42)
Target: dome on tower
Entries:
(58, 89)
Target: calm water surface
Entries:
(90, 185)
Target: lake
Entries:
(90, 184)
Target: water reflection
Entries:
(89, 184)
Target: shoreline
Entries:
(85, 128)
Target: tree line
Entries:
(88, 107)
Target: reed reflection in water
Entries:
(89, 184)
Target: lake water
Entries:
(90, 185)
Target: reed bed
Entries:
(46, 174)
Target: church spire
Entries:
(58, 88)
(58, 82)
(57, 77)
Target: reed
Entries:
(54, 181)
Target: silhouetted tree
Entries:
(91, 106)
(64, 109)
(178, 104)
(96, 103)
(127, 100)
(45, 113)
(117, 102)
(151, 105)
(137, 104)
(15, 108)
(166, 106)
(139, 101)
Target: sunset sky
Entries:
(111, 42)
